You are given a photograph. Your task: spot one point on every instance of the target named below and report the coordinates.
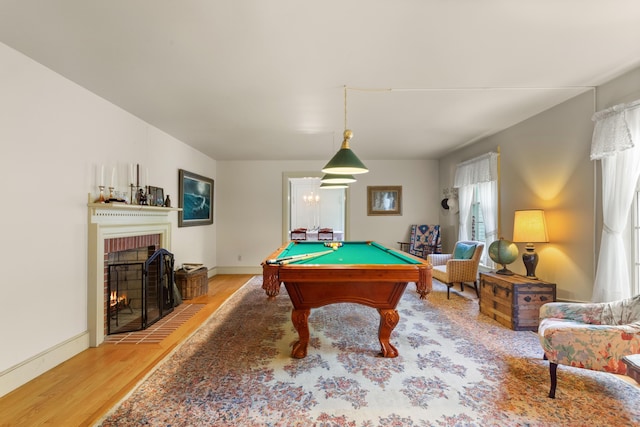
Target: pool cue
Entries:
(287, 260)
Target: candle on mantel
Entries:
(102, 175)
(113, 177)
(131, 174)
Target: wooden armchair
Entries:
(299, 234)
(459, 267)
(325, 234)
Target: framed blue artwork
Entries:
(195, 198)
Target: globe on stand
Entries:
(503, 252)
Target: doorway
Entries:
(306, 205)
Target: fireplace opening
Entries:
(140, 285)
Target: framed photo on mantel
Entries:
(195, 198)
(384, 200)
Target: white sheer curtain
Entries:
(488, 196)
(479, 173)
(616, 138)
(465, 195)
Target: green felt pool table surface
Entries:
(348, 253)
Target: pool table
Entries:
(365, 273)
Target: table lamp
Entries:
(530, 226)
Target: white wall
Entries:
(250, 206)
(53, 135)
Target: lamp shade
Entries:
(337, 179)
(325, 186)
(530, 226)
(345, 162)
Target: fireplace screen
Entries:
(139, 292)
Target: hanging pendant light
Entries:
(345, 162)
(325, 186)
(331, 178)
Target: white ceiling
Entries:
(264, 79)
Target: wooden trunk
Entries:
(514, 301)
(192, 283)
(633, 366)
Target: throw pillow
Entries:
(464, 251)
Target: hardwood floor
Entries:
(81, 390)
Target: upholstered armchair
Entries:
(589, 335)
(461, 266)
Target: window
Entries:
(477, 184)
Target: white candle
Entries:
(131, 174)
(146, 176)
(102, 175)
(113, 177)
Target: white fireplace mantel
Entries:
(113, 220)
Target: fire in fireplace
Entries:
(140, 285)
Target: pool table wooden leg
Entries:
(300, 322)
(389, 318)
(271, 281)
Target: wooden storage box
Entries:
(633, 366)
(192, 283)
(514, 301)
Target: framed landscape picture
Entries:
(195, 198)
(384, 200)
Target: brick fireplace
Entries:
(112, 228)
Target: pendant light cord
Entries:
(345, 107)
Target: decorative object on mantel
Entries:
(167, 202)
(108, 206)
(101, 199)
(195, 199)
(138, 195)
(155, 196)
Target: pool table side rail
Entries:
(274, 274)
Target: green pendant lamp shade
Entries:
(345, 162)
(337, 179)
(325, 186)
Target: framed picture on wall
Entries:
(195, 197)
(384, 200)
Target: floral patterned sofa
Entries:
(589, 335)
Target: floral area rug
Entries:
(456, 368)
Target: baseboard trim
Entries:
(239, 270)
(22, 373)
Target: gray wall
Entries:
(545, 165)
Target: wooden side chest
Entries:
(192, 283)
(514, 301)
